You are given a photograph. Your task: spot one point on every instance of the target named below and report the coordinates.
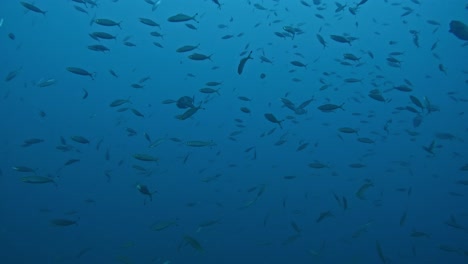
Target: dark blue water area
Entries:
(349, 151)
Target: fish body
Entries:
(270, 117)
(143, 189)
(33, 8)
(186, 48)
(119, 102)
(189, 113)
(459, 29)
(102, 35)
(198, 143)
(80, 139)
(243, 61)
(80, 71)
(37, 179)
(330, 107)
(63, 222)
(100, 48)
(106, 22)
(182, 18)
(149, 22)
(145, 157)
(340, 39)
(199, 56)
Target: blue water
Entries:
(261, 194)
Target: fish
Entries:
(415, 233)
(33, 8)
(80, 139)
(100, 48)
(107, 22)
(243, 61)
(182, 18)
(80, 9)
(198, 143)
(330, 107)
(159, 226)
(149, 22)
(11, 75)
(136, 112)
(244, 98)
(85, 95)
(340, 39)
(208, 90)
(63, 222)
(208, 223)
(47, 82)
(361, 192)
(23, 169)
(380, 253)
(145, 157)
(217, 3)
(199, 56)
(270, 117)
(143, 189)
(193, 243)
(295, 227)
(348, 130)
(213, 83)
(321, 40)
(298, 64)
(80, 71)
(416, 101)
(101, 35)
(119, 102)
(324, 215)
(187, 48)
(71, 161)
(189, 113)
(403, 218)
(191, 26)
(430, 149)
(31, 141)
(317, 165)
(37, 180)
(459, 29)
(365, 140)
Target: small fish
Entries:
(143, 189)
(243, 61)
(270, 117)
(182, 18)
(193, 243)
(80, 71)
(37, 180)
(324, 215)
(63, 222)
(32, 7)
(119, 102)
(187, 48)
(330, 107)
(199, 57)
(145, 157)
(80, 139)
(106, 22)
(149, 22)
(23, 169)
(198, 143)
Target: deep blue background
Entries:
(215, 182)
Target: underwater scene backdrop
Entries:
(234, 131)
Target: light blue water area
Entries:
(244, 174)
